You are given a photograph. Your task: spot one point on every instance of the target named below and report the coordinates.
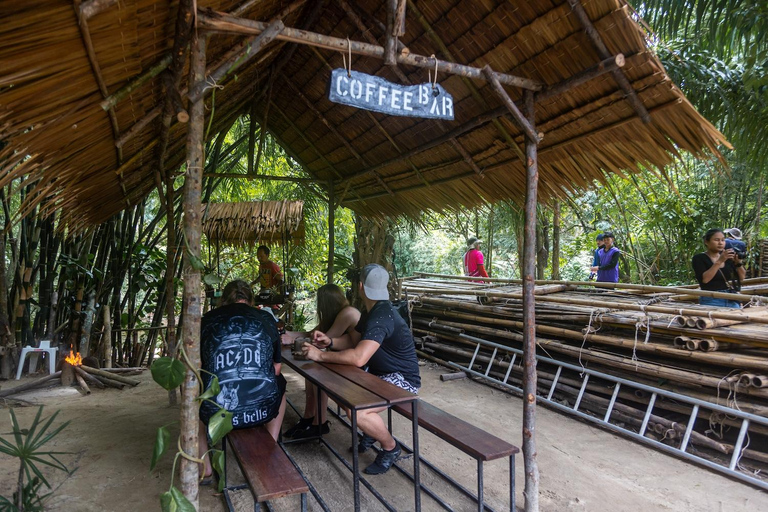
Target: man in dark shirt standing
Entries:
(385, 345)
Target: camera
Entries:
(739, 248)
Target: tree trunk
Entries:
(556, 241)
(85, 340)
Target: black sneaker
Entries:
(313, 431)
(365, 444)
(303, 424)
(383, 462)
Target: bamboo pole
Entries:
(189, 472)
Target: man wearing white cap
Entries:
(734, 241)
(385, 345)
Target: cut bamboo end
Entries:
(692, 344)
(680, 341)
(759, 381)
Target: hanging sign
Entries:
(374, 93)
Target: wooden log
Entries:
(136, 82)
(109, 382)
(67, 374)
(108, 375)
(225, 23)
(82, 383)
(391, 34)
(453, 376)
(88, 377)
(30, 385)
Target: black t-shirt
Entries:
(725, 279)
(240, 344)
(397, 352)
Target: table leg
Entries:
(480, 500)
(318, 413)
(416, 473)
(355, 461)
(512, 483)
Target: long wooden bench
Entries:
(268, 471)
(474, 441)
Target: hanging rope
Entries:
(344, 59)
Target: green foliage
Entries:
(26, 445)
(168, 372)
(162, 441)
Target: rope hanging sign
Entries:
(369, 92)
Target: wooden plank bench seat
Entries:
(468, 438)
(268, 471)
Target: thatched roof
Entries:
(49, 102)
(249, 223)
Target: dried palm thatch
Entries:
(90, 167)
(249, 223)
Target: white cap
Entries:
(375, 279)
(734, 233)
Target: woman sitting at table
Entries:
(241, 346)
(336, 318)
(382, 342)
(719, 270)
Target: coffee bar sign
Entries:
(374, 93)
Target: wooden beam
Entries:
(225, 23)
(505, 163)
(254, 46)
(516, 114)
(466, 156)
(400, 19)
(253, 177)
(135, 83)
(446, 52)
(390, 44)
(602, 50)
(605, 66)
(91, 53)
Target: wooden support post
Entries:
(602, 50)
(466, 156)
(189, 473)
(529, 316)
(331, 229)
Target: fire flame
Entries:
(74, 359)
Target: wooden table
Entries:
(357, 390)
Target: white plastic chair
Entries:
(45, 346)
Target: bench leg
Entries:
(480, 499)
(416, 455)
(303, 502)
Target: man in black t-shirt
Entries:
(384, 343)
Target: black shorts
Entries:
(206, 413)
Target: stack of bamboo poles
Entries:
(659, 339)
(763, 263)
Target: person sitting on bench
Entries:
(241, 346)
(335, 318)
(384, 343)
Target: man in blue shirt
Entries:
(384, 343)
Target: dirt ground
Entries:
(583, 468)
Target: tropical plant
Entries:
(169, 373)
(26, 445)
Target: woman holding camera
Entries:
(718, 270)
